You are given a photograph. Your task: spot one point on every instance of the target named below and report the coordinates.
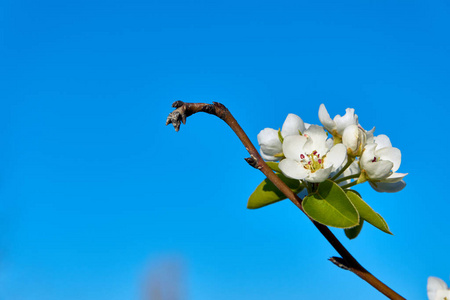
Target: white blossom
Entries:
(309, 156)
(269, 141)
(437, 289)
(380, 161)
(337, 125)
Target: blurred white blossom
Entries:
(437, 289)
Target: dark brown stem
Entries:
(346, 261)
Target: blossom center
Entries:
(312, 161)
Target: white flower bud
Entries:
(354, 138)
(270, 144)
(292, 125)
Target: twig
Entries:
(347, 261)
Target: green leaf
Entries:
(267, 193)
(330, 206)
(356, 192)
(353, 232)
(384, 222)
(367, 213)
(274, 166)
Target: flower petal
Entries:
(309, 146)
(388, 187)
(434, 284)
(293, 146)
(319, 137)
(354, 138)
(268, 140)
(392, 154)
(378, 170)
(350, 118)
(329, 143)
(395, 177)
(325, 119)
(269, 157)
(442, 295)
(292, 125)
(293, 169)
(351, 137)
(370, 138)
(319, 176)
(335, 157)
(316, 132)
(382, 141)
(368, 155)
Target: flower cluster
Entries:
(348, 154)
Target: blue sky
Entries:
(96, 191)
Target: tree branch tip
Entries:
(177, 116)
(340, 262)
(177, 104)
(174, 118)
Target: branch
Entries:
(346, 261)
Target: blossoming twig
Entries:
(348, 262)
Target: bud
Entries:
(292, 125)
(354, 138)
(270, 144)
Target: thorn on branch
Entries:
(340, 262)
